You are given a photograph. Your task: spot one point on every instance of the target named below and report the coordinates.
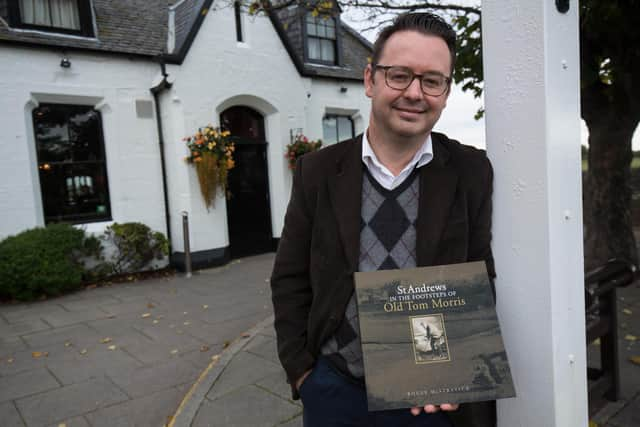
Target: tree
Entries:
(610, 98)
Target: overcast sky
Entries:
(457, 119)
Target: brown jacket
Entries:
(318, 252)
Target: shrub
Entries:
(44, 261)
(135, 246)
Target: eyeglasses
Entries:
(400, 78)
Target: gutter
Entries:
(156, 91)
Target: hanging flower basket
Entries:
(211, 153)
(300, 146)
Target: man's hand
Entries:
(430, 409)
(301, 380)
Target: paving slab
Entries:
(27, 360)
(24, 327)
(249, 406)
(9, 415)
(149, 411)
(66, 318)
(629, 416)
(264, 347)
(88, 300)
(76, 333)
(72, 422)
(94, 363)
(241, 371)
(277, 384)
(11, 345)
(26, 384)
(24, 312)
(68, 402)
(158, 377)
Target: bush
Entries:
(44, 261)
(135, 246)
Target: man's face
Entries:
(407, 113)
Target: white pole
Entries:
(531, 71)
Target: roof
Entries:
(354, 49)
(140, 27)
(136, 27)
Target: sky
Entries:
(457, 119)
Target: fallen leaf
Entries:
(39, 354)
(105, 340)
(130, 278)
(266, 280)
(186, 323)
(179, 331)
(151, 305)
(627, 311)
(226, 344)
(112, 347)
(67, 344)
(215, 357)
(83, 351)
(91, 286)
(204, 348)
(245, 335)
(205, 306)
(155, 321)
(174, 351)
(630, 337)
(111, 316)
(635, 359)
(145, 315)
(185, 313)
(596, 341)
(62, 425)
(10, 360)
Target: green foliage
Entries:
(136, 245)
(44, 261)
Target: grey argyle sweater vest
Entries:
(387, 241)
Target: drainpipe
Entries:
(156, 91)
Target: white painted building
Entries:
(82, 139)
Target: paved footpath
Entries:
(124, 355)
(183, 353)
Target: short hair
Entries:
(423, 22)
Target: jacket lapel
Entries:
(345, 189)
(438, 181)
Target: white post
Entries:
(531, 71)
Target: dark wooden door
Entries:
(248, 205)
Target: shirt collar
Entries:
(423, 156)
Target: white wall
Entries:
(220, 72)
(110, 83)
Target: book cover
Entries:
(431, 335)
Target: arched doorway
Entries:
(248, 205)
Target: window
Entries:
(63, 16)
(71, 163)
(321, 39)
(337, 128)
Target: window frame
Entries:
(336, 117)
(84, 12)
(336, 41)
(76, 218)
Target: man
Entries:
(396, 197)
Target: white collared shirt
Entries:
(383, 175)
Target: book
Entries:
(431, 335)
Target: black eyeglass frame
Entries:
(386, 68)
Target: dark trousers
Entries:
(332, 400)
